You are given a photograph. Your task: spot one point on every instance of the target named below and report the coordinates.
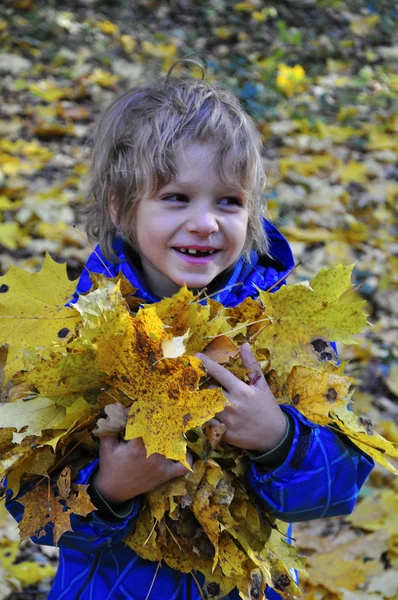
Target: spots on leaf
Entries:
(4, 288)
(282, 582)
(323, 349)
(255, 589)
(331, 395)
(367, 423)
(212, 589)
(62, 333)
(319, 345)
(152, 359)
(186, 418)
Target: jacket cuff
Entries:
(106, 509)
(304, 432)
(275, 457)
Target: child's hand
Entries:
(125, 471)
(255, 421)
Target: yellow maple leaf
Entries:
(49, 90)
(183, 311)
(27, 572)
(104, 308)
(335, 573)
(379, 512)
(161, 420)
(164, 393)
(32, 312)
(231, 558)
(352, 171)
(103, 78)
(13, 236)
(299, 315)
(32, 416)
(167, 50)
(315, 394)
(253, 536)
(65, 376)
(143, 539)
(6, 444)
(149, 543)
(211, 504)
(360, 431)
(161, 499)
(19, 460)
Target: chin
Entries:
(195, 284)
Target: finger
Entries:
(108, 443)
(190, 459)
(256, 377)
(213, 422)
(226, 379)
(178, 469)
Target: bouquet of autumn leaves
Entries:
(111, 363)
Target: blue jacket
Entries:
(320, 477)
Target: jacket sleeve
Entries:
(321, 476)
(89, 534)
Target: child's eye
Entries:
(175, 198)
(231, 201)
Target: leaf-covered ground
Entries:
(321, 80)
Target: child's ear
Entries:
(112, 206)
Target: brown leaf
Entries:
(64, 482)
(213, 432)
(39, 512)
(221, 349)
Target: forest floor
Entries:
(320, 78)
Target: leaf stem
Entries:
(229, 287)
(153, 580)
(212, 337)
(92, 248)
(174, 538)
(151, 532)
(300, 262)
(199, 588)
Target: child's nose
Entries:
(203, 222)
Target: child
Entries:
(175, 197)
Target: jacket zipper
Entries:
(89, 577)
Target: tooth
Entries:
(192, 251)
(211, 251)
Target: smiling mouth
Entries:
(196, 253)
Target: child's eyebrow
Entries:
(189, 186)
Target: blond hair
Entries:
(134, 149)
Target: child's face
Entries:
(195, 211)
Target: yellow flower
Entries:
(289, 80)
(109, 28)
